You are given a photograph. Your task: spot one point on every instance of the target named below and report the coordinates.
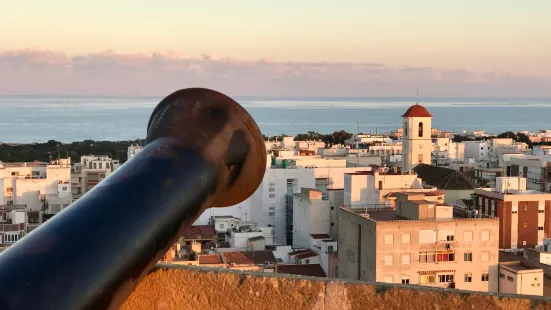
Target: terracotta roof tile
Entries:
(199, 232)
(417, 110)
(260, 257)
(306, 255)
(237, 258)
(210, 259)
(299, 252)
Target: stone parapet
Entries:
(171, 287)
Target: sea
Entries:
(27, 119)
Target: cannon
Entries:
(202, 150)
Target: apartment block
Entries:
(524, 215)
(421, 242)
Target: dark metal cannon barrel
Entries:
(203, 150)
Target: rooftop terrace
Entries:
(169, 287)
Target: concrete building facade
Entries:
(419, 243)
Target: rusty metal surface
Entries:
(223, 131)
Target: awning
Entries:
(429, 272)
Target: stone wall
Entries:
(206, 288)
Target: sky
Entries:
(468, 48)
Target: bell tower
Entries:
(417, 142)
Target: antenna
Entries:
(417, 95)
(357, 145)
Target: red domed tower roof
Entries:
(417, 110)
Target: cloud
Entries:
(36, 71)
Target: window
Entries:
(485, 235)
(540, 228)
(330, 249)
(271, 213)
(485, 277)
(420, 129)
(541, 211)
(468, 257)
(332, 208)
(405, 259)
(271, 190)
(222, 226)
(468, 277)
(510, 279)
(501, 275)
(406, 238)
(332, 224)
(525, 207)
(427, 279)
(388, 260)
(445, 278)
(427, 257)
(100, 165)
(389, 239)
(10, 189)
(485, 256)
(468, 236)
(271, 196)
(307, 261)
(450, 238)
(405, 280)
(64, 188)
(514, 212)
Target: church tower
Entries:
(417, 143)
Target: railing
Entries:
(203, 150)
(366, 208)
(11, 207)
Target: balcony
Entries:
(185, 287)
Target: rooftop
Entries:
(389, 215)
(186, 287)
(199, 232)
(320, 236)
(417, 110)
(306, 255)
(519, 266)
(444, 178)
(210, 259)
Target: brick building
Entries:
(524, 215)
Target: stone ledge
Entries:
(174, 287)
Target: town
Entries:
(469, 211)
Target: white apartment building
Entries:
(419, 243)
(13, 222)
(132, 151)
(536, 170)
(311, 216)
(36, 185)
(90, 171)
(479, 150)
(378, 188)
(272, 201)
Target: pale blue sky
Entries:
(506, 37)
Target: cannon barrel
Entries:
(202, 150)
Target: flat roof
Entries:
(518, 266)
(390, 215)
